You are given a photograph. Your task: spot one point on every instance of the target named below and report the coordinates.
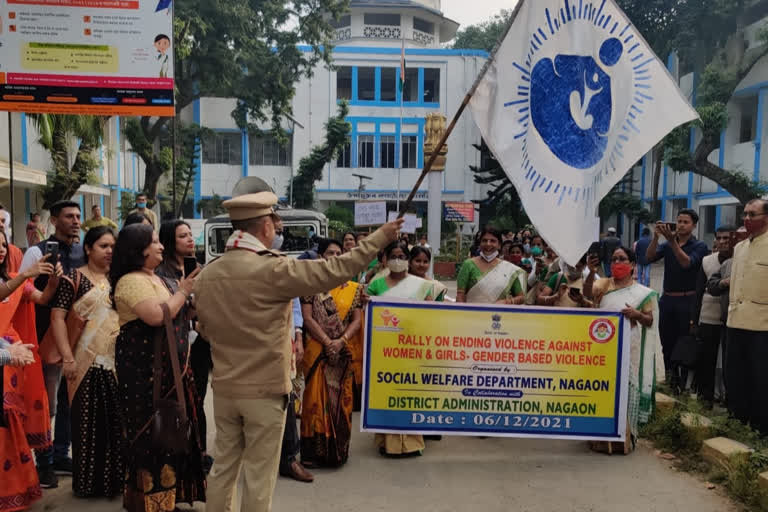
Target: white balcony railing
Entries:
(382, 32)
(423, 37)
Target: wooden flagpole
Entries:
(428, 165)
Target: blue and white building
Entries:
(119, 170)
(367, 59)
(743, 148)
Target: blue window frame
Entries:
(368, 86)
(375, 149)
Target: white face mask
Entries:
(490, 257)
(277, 243)
(397, 266)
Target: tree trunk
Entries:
(657, 166)
(737, 184)
(152, 174)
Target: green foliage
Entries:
(617, 203)
(337, 131)
(211, 207)
(336, 212)
(741, 479)
(485, 35)
(739, 475)
(699, 33)
(243, 49)
(337, 229)
(502, 208)
(143, 144)
(669, 434)
(127, 204)
(59, 135)
(189, 151)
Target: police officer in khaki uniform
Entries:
(244, 309)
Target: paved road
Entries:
(462, 473)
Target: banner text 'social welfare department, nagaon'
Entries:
(493, 370)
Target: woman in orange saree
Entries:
(25, 403)
(332, 321)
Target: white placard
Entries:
(412, 222)
(370, 213)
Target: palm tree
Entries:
(60, 135)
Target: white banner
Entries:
(574, 98)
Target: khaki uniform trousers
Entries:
(249, 433)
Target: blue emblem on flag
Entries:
(570, 100)
(571, 104)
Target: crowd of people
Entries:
(116, 337)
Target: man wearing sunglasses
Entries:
(747, 346)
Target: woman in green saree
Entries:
(399, 284)
(488, 279)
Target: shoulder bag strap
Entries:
(173, 350)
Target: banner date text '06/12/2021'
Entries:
(502, 371)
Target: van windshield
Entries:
(298, 238)
(218, 239)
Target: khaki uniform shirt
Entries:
(244, 310)
(748, 305)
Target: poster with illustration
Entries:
(101, 57)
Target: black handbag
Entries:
(686, 352)
(171, 429)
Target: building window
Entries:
(748, 125)
(366, 84)
(388, 84)
(345, 157)
(409, 151)
(423, 25)
(344, 83)
(376, 18)
(387, 152)
(365, 145)
(223, 148)
(411, 87)
(344, 21)
(266, 150)
(431, 85)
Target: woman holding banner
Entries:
(399, 284)
(333, 321)
(641, 306)
(487, 279)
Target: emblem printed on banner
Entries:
(602, 330)
(574, 98)
(496, 325)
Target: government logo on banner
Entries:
(574, 98)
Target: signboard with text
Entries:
(460, 212)
(411, 224)
(433, 368)
(370, 213)
(100, 57)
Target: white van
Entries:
(299, 228)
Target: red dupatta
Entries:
(24, 388)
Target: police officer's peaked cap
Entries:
(251, 206)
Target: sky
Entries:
(471, 12)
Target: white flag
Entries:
(574, 98)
